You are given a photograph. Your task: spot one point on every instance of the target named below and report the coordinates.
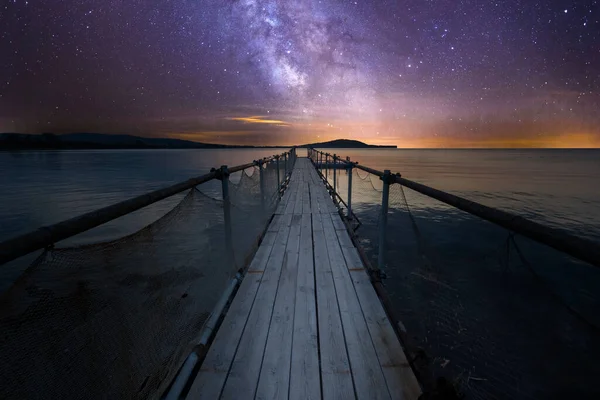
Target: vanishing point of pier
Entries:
(306, 322)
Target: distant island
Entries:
(72, 141)
(346, 144)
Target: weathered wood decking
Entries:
(306, 322)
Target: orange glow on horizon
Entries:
(414, 134)
(564, 141)
(573, 140)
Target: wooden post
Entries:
(224, 176)
(261, 176)
(334, 174)
(385, 197)
(350, 165)
(278, 177)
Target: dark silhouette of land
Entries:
(345, 144)
(51, 141)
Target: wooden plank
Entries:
(351, 255)
(332, 207)
(243, 374)
(314, 204)
(271, 349)
(304, 373)
(293, 186)
(336, 376)
(274, 225)
(353, 261)
(302, 189)
(306, 199)
(280, 208)
(326, 203)
(317, 178)
(274, 376)
(287, 194)
(367, 373)
(289, 209)
(315, 181)
(345, 240)
(214, 369)
(282, 202)
(399, 376)
(318, 190)
(338, 224)
(286, 221)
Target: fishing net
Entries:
(502, 316)
(366, 199)
(499, 315)
(116, 319)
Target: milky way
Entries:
(413, 73)
(307, 56)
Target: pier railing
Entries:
(117, 319)
(481, 296)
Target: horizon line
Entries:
(375, 146)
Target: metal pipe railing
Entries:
(47, 236)
(580, 248)
(337, 198)
(210, 326)
(370, 170)
(44, 237)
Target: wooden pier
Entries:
(302, 321)
(306, 322)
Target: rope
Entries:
(507, 245)
(366, 176)
(417, 232)
(548, 286)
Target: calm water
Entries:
(476, 308)
(556, 187)
(44, 187)
(559, 187)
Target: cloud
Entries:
(259, 119)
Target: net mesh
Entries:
(116, 319)
(499, 315)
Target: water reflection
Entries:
(45, 187)
(483, 306)
(556, 187)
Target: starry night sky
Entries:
(414, 73)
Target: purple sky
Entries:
(411, 73)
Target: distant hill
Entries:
(345, 144)
(97, 141)
(51, 141)
(135, 141)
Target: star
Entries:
(343, 61)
